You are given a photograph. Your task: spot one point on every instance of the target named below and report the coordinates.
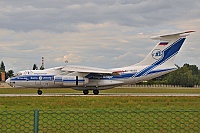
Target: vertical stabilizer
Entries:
(166, 50)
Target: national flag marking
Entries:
(163, 43)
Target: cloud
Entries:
(94, 33)
(64, 15)
(72, 58)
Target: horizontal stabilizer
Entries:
(173, 35)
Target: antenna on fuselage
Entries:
(66, 62)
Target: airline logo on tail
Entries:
(157, 54)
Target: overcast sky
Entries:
(97, 33)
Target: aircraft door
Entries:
(76, 80)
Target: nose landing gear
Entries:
(39, 92)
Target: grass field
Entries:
(45, 103)
(102, 114)
(20, 103)
(115, 90)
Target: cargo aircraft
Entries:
(158, 62)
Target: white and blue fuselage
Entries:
(54, 79)
(158, 62)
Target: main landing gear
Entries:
(85, 92)
(96, 92)
(39, 92)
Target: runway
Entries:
(102, 95)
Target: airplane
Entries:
(158, 62)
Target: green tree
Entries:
(2, 68)
(185, 76)
(41, 68)
(9, 74)
(35, 67)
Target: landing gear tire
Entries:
(39, 92)
(85, 92)
(96, 92)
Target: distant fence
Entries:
(100, 120)
(158, 85)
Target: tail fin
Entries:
(166, 50)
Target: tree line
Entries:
(35, 67)
(186, 76)
(10, 73)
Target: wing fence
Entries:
(100, 120)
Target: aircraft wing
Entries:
(88, 70)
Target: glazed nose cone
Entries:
(8, 81)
